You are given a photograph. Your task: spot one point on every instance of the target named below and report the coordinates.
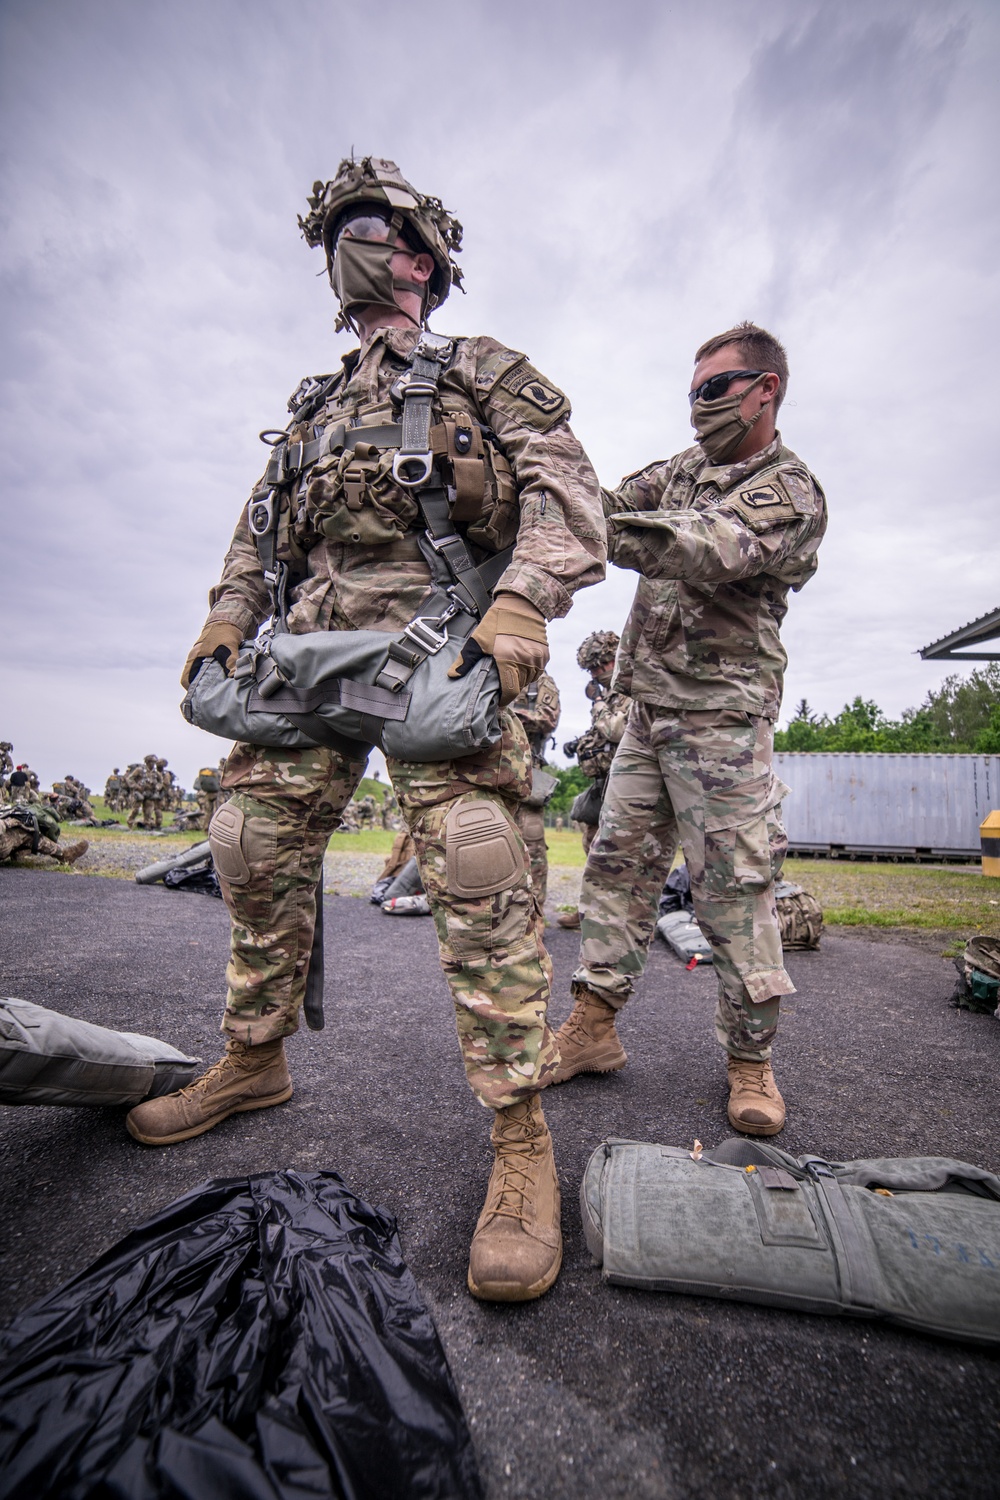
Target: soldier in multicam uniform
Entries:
(23, 786)
(6, 766)
(538, 710)
(361, 553)
(113, 791)
(719, 535)
(208, 789)
(28, 829)
(147, 795)
(390, 811)
(366, 809)
(595, 749)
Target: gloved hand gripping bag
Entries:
(260, 1339)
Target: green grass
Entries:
(864, 894)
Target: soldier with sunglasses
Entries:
(718, 535)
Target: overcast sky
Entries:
(632, 178)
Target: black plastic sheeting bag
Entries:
(261, 1339)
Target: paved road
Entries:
(591, 1391)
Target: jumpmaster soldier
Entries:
(353, 553)
(719, 535)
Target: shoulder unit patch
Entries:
(528, 397)
(761, 497)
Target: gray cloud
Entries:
(632, 178)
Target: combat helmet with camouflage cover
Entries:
(378, 183)
(598, 647)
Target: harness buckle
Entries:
(439, 543)
(260, 515)
(292, 459)
(412, 470)
(423, 635)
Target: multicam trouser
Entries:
(269, 841)
(531, 822)
(149, 810)
(703, 780)
(207, 803)
(15, 840)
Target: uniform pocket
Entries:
(497, 927)
(745, 840)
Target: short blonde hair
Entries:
(759, 350)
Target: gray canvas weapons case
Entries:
(331, 697)
(913, 1240)
(48, 1058)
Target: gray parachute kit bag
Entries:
(48, 1058)
(323, 689)
(912, 1240)
(354, 689)
(681, 933)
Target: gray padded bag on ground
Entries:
(48, 1058)
(914, 1240)
(332, 698)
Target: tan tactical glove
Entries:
(218, 639)
(512, 631)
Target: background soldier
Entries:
(719, 535)
(147, 795)
(113, 791)
(360, 552)
(22, 786)
(6, 766)
(34, 829)
(595, 749)
(130, 790)
(538, 710)
(366, 808)
(208, 787)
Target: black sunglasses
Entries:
(717, 385)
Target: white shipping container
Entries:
(917, 805)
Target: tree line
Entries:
(961, 716)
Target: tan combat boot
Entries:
(245, 1078)
(570, 920)
(69, 853)
(755, 1106)
(517, 1247)
(588, 1041)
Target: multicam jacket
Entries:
(595, 749)
(355, 530)
(718, 548)
(538, 709)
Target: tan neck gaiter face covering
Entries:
(718, 425)
(363, 277)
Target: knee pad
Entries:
(225, 837)
(484, 853)
(532, 825)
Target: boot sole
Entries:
(746, 1129)
(514, 1291)
(187, 1135)
(614, 1067)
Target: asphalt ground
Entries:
(593, 1390)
